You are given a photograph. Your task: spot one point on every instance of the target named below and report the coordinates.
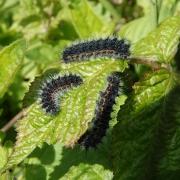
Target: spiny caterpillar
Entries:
(100, 122)
(101, 48)
(53, 88)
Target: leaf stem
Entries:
(18, 116)
(154, 65)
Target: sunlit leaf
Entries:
(67, 126)
(10, 60)
(87, 22)
(3, 155)
(161, 44)
(86, 171)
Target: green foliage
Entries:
(83, 16)
(137, 139)
(38, 127)
(10, 60)
(154, 13)
(143, 141)
(161, 44)
(85, 171)
(3, 155)
(148, 125)
(42, 162)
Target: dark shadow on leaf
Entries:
(146, 143)
(77, 155)
(46, 154)
(177, 58)
(35, 172)
(65, 30)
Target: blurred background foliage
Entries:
(48, 26)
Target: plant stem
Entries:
(152, 64)
(18, 116)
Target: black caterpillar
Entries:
(101, 48)
(53, 88)
(100, 122)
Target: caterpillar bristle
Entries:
(110, 47)
(100, 123)
(53, 88)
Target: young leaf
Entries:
(168, 8)
(161, 44)
(86, 171)
(78, 106)
(87, 22)
(144, 131)
(139, 28)
(10, 60)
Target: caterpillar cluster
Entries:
(53, 88)
(101, 48)
(100, 122)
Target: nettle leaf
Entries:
(86, 171)
(169, 164)
(10, 60)
(2, 136)
(168, 8)
(154, 13)
(161, 44)
(45, 159)
(145, 141)
(140, 27)
(87, 22)
(3, 155)
(5, 150)
(32, 20)
(77, 110)
(5, 176)
(100, 155)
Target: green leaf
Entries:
(161, 44)
(100, 155)
(139, 28)
(36, 172)
(3, 156)
(4, 153)
(86, 171)
(47, 158)
(108, 5)
(163, 8)
(33, 19)
(5, 176)
(2, 136)
(87, 22)
(169, 164)
(154, 13)
(10, 60)
(38, 127)
(168, 8)
(147, 131)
